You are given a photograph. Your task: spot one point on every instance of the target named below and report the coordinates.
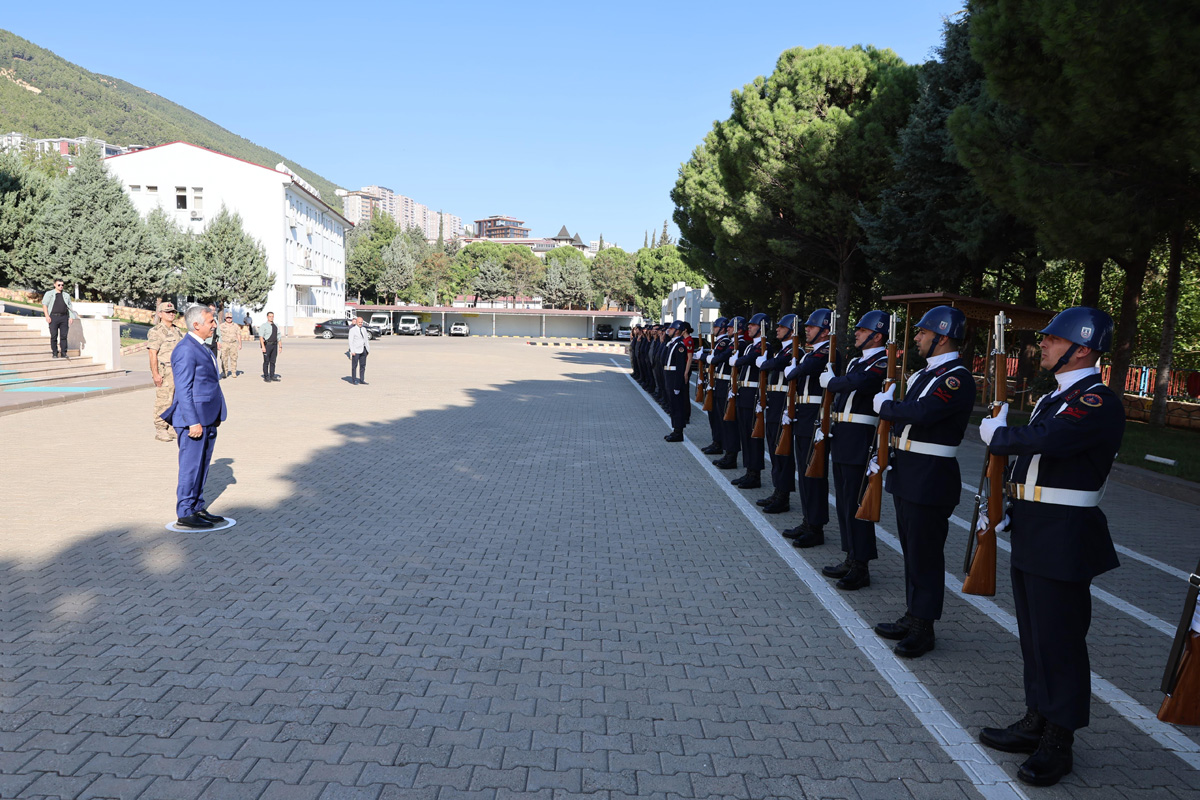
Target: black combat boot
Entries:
(810, 536)
(728, 461)
(1052, 760)
(780, 504)
(838, 571)
(859, 577)
(1023, 736)
(674, 436)
(792, 533)
(897, 630)
(750, 480)
(766, 501)
(919, 640)
(712, 450)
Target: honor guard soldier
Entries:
(726, 348)
(813, 492)
(635, 368)
(675, 363)
(771, 369)
(924, 479)
(660, 374)
(715, 414)
(853, 431)
(747, 401)
(1059, 536)
(162, 340)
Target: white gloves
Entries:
(795, 363)
(873, 465)
(709, 358)
(988, 427)
(758, 409)
(818, 435)
(786, 419)
(676, 391)
(826, 376)
(733, 359)
(983, 519)
(886, 394)
(758, 362)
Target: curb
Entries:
(577, 344)
(72, 397)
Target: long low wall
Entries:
(1184, 416)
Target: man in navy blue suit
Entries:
(196, 412)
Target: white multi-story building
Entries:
(303, 237)
(13, 141)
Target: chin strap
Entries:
(1062, 362)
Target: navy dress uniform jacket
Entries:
(863, 379)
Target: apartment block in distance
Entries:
(496, 227)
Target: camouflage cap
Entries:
(166, 306)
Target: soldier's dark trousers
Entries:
(59, 325)
(269, 356)
(858, 536)
(752, 449)
(813, 492)
(731, 440)
(1053, 618)
(680, 408)
(715, 423)
(922, 531)
(783, 468)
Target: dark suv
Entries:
(605, 331)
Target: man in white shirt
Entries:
(360, 348)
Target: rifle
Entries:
(712, 373)
(1181, 679)
(784, 448)
(872, 497)
(700, 379)
(981, 567)
(760, 410)
(816, 455)
(731, 405)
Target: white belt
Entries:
(747, 384)
(808, 399)
(860, 419)
(925, 448)
(777, 388)
(670, 369)
(1058, 497)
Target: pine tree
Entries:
(554, 286)
(666, 238)
(577, 283)
(24, 194)
(492, 281)
(228, 266)
(645, 239)
(400, 261)
(169, 249)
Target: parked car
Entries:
(382, 321)
(409, 325)
(433, 329)
(459, 329)
(340, 329)
(604, 331)
(624, 333)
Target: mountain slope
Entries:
(42, 96)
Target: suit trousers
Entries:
(195, 455)
(1053, 618)
(269, 356)
(60, 324)
(858, 536)
(752, 449)
(358, 365)
(922, 531)
(813, 492)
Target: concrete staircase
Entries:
(25, 360)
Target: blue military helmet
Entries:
(720, 322)
(875, 321)
(1084, 326)
(821, 318)
(761, 320)
(738, 322)
(787, 321)
(677, 325)
(944, 321)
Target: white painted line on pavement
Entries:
(962, 748)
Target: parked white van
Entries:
(384, 321)
(409, 325)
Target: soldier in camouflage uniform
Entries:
(230, 337)
(163, 338)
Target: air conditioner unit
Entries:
(197, 215)
(308, 230)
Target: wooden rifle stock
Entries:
(730, 403)
(712, 374)
(872, 499)
(784, 448)
(701, 381)
(760, 411)
(816, 455)
(981, 575)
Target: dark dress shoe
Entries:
(792, 533)
(275, 377)
(202, 513)
(779, 505)
(674, 436)
(193, 521)
(1052, 761)
(859, 577)
(726, 462)
(810, 537)
(838, 571)
(766, 501)
(898, 630)
(712, 449)
(1023, 736)
(919, 640)
(750, 481)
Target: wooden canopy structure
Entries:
(977, 311)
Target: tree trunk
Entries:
(1158, 409)
(1030, 353)
(1131, 298)
(1093, 271)
(842, 301)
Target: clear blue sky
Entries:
(555, 113)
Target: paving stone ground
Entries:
(483, 575)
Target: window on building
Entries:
(180, 197)
(135, 188)
(152, 190)
(197, 198)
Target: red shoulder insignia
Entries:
(1091, 399)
